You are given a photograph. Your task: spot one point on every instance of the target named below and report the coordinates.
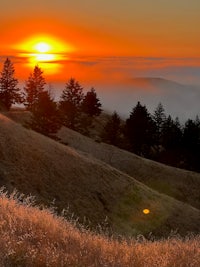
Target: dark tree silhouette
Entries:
(191, 144)
(171, 133)
(159, 118)
(171, 140)
(112, 131)
(70, 104)
(140, 130)
(91, 104)
(34, 86)
(45, 117)
(191, 137)
(9, 93)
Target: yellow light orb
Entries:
(42, 47)
(146, 211)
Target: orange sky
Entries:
(99, 28)
(105, 44)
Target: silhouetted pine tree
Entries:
(9, 93)
(170, 140)
(191, 136)
(159, 118)
(171, 133)
(191, 144)
(45, 116)
(140, 130)
(91, 104)
(112, 131)
(70, 104)
(34, 86)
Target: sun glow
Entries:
(44, 57)
(46, 51)
(42, 47)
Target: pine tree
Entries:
(191, 134)
(191, 144)
(171, 134)
(45, 116)
(112, 130)
(159, 118)
(140, 130)
(91, 104)
(9, 93)
(34, 86)
(70, 104)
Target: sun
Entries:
(44, 44)
(46, 50)
(43, 47)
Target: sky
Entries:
(114, 27)
(103, 43)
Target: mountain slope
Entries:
(180, 184)
(35, 164)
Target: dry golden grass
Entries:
(32, 237)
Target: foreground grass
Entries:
(33, 237)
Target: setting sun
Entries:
(42, 47)
(44, 44)
(48, 51)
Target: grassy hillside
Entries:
(33, 237)
(180, 184)
(35, 164)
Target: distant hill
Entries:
(178, 99)
(53, 172)
(154, 82)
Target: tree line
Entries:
(74, 109)
(155, 136)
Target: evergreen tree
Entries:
(112, 130)
(171, 134)
(191, 135)
(9, 93)
(34, 86)
(91, 104)
(70, 104)
(45, 117)
(159, 118)
(140, 130)
(191, 144)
